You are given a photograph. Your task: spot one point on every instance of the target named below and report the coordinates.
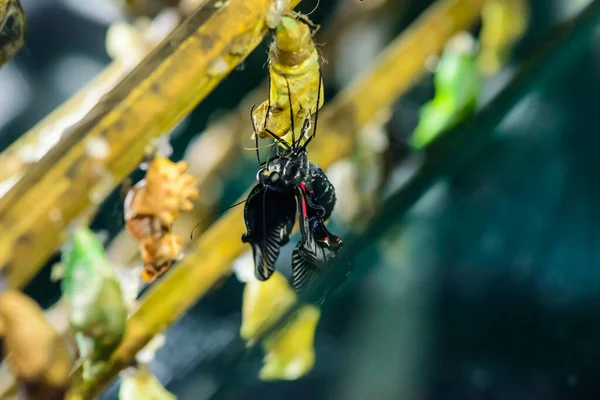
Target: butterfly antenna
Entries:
(260, 147)
(314, 9)
(215, 213)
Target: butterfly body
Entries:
(290, 186)
(285, 173)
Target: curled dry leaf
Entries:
(165, 191)
(152, 205)
(35, 350)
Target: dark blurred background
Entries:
(488, 289)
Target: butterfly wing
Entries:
(269, 219)
(303, 273)
(317, 249)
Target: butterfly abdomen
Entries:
(323, 191)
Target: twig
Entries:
(210, 259)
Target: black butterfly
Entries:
(290, 184)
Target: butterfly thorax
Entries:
(285, 173)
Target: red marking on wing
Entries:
(304, 213)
